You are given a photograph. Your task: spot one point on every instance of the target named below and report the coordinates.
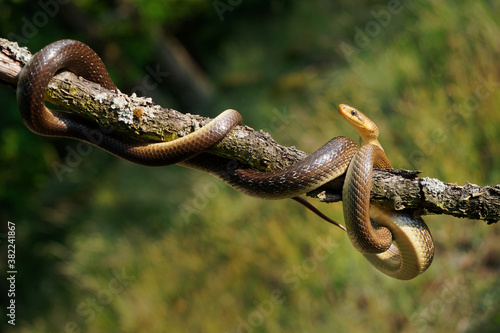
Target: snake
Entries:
(374, 237)
(397, 243)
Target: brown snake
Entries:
(327, 163)
(415, 249)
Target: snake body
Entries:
(81, 60)
(373, 230)
(327, 163)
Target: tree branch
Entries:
(141, 119)
(401, 189)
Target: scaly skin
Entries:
(372, 230)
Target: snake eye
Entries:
(354, 113)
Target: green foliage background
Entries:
(196, 256)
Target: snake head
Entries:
(361, 123)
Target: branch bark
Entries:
(141, 119)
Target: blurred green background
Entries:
(117, 247)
